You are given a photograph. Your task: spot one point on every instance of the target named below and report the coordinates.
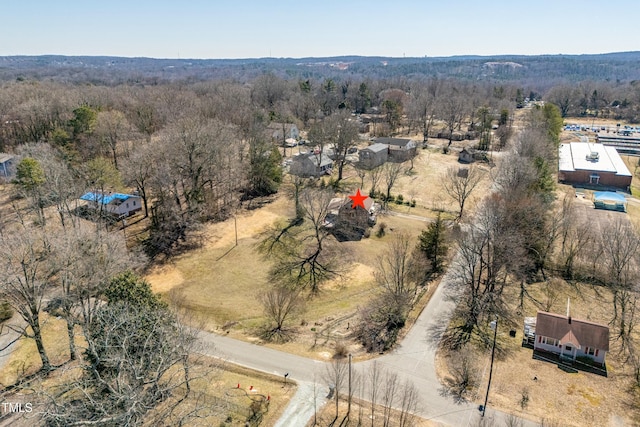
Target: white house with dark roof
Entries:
(571, 338)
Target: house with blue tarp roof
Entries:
(117, 204)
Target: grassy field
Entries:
(220, 283)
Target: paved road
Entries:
(413, 359)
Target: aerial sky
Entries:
(296, 29)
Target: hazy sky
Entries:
(287, 28)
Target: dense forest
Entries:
(539, 72)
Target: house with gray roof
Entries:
(311, 165)
(373, 156)
(400, 149)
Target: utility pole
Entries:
(235, 224)
(349, 400)
(493, 353)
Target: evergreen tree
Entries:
(432, 242)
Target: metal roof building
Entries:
(592, 164)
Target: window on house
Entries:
(568, 347)
(549, 341)
(127, 205)
(134, 203)
(590, 351)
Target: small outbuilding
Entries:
(610, 201)
(116, 204)
(281, 132)
(467, 155)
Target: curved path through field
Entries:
(414, 359)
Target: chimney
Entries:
(569, 319)
(569, 308)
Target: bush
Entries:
(389, 199)
(399, 199)
(380, 323)
(341, 350)
(6, 312)
(382, 229)
(413, 203)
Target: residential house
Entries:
(400, 149)
(275, 131)
(7, 167)
(349, 222)
(117, 204)
(311, 164)
(571, 338)
(373, 156)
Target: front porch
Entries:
(568, 364)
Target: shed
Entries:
(610, 201)
(466, 155)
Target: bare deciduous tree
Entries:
(25, 260)
(303, 255)
(375, 175)
(459, 185)
(409, 395)
(138, 369)
(280, 304)
(391, 384)
(336, 376)
(390, 173)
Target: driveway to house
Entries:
(413, 359)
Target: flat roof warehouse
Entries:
(578, 156)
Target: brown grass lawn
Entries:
(24, 359)
(590, 399)
(220, 283)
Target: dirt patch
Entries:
(163, 279)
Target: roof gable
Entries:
(398, 142)
(569, 330)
